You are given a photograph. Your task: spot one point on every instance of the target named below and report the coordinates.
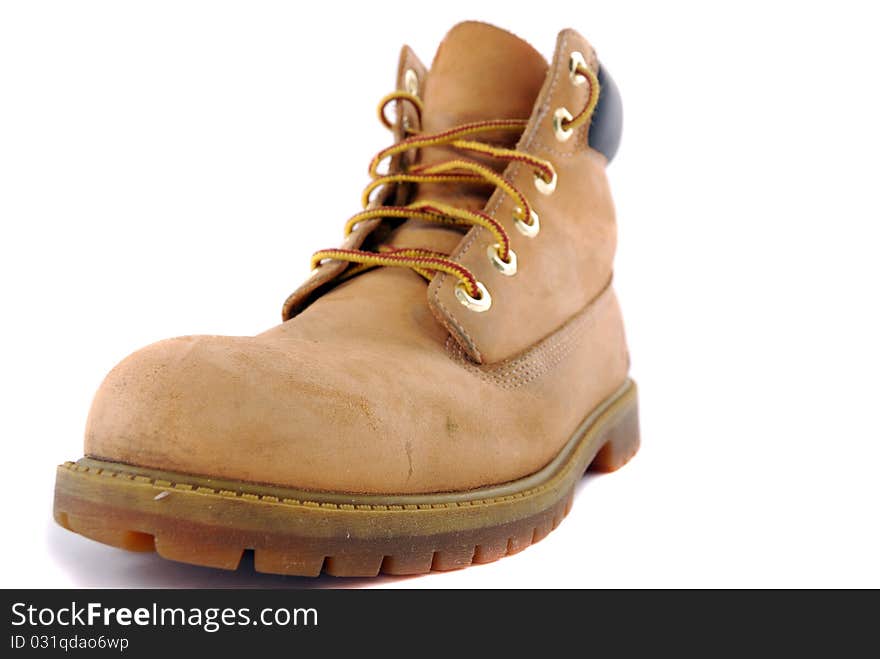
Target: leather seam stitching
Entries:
(477, 231)
(540, 359)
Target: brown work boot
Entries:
(438, 385)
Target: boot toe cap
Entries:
(310, 415)
(240, 408)
(174, 404)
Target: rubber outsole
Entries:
(211, 522)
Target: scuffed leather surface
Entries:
(369, 400)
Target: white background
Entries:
(167, 168)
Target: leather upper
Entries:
(383, 384)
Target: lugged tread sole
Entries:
(211, 523)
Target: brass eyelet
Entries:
(478, 304)
(506, 268)
(575, 61)
(411, 82)
(560, 118)
(545, 187)
(530, 229)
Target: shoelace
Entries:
(459, 170)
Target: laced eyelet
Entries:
(575, 61)
(411, 82)
(528, 229)
(506, 268)
(560, 118)
(478, 304)
(545, 187)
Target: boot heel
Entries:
(621, 441)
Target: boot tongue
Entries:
(480, 73)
